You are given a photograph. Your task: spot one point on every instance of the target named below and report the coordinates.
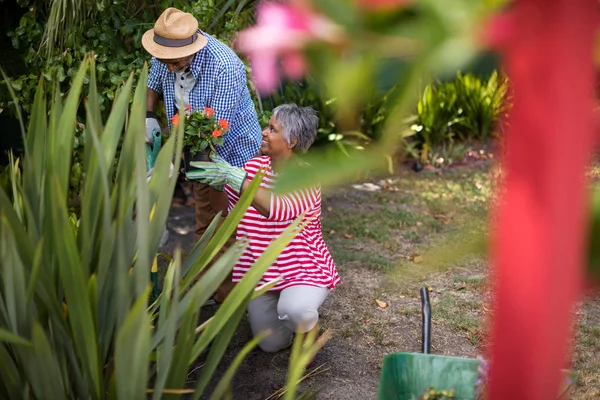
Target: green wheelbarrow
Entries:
(410, 376)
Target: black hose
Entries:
(426, 334)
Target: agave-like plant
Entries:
(75, 318)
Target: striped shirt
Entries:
(305, 260)
(220, 83)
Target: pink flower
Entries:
(282, 31)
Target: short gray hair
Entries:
(298, 123)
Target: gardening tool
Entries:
(153, 149)
(408, 376)
(151, 155)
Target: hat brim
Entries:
(171, 53)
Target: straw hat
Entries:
(175, 35)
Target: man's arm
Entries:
(151, 100)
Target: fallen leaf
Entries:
(416, 258)
(419, 223)
(367, 320)
(331, 232)
(381, 304)
(329, 208)
(348, 236)
(461, 286)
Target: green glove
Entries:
(217, 173)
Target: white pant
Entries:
(291, 310)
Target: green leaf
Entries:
(180, 358)
(61, 135)
(42, 368)
(165, 350)
(74, 282)
(12, 272)
(132, 352)
(9, 337)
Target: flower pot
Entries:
(198, 156)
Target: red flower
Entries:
(224, 124)
(209, 112)
(175, 120)
(188, 107)
(216, 133)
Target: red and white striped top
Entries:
(305, 260)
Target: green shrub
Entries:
(367, 126)
(482, 104)
(450, 114)
(74, 315)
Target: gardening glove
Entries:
(151, 126)
(217, 174)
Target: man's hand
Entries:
(217, 173)
(151, 126)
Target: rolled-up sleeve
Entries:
(155, 76)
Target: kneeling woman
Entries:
(305, 265)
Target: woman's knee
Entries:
(297, 317)
(275, 342)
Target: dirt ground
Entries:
(364, 332)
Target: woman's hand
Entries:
(217, 174)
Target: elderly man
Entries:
(190, 67)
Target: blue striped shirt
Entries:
(220, 84)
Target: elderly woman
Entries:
(305, 266)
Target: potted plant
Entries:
(202, 133)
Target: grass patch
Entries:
(460, 314)
(365, 258)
